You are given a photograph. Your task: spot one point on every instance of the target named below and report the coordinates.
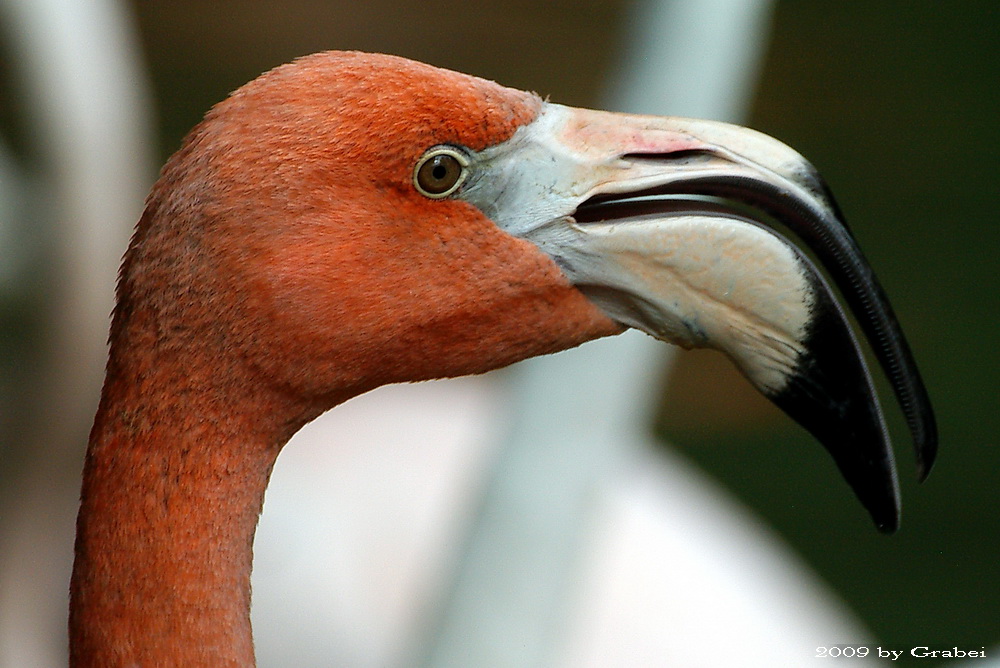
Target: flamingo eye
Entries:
(440, 172)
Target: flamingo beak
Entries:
(669, 226)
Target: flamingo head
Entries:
(350, 220)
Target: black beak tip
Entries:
(888, 525)
(878, 492)
(926, 446)
(852, 430)
(830, 393)
(923, 469)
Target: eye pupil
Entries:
(440, 172)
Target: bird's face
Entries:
(389, 221)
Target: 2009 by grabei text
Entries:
(919, 652)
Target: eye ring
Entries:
(440, 172)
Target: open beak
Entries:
(667, 224)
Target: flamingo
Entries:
(350, 220)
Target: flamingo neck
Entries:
(174, 481)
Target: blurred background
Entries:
(895, 102)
